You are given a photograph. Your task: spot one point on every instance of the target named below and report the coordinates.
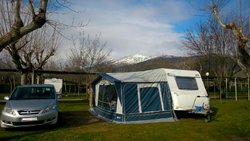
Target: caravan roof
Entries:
(156, 75)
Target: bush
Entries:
(4, 88)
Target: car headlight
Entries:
(9, 111)
(49, 108)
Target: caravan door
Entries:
(150, 98)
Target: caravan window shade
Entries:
(150, 99)
(131, 98)
(186, 83)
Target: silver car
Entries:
(30, 105)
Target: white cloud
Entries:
(131, 28)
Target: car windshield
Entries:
(23, 93)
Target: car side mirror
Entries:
(6, 98)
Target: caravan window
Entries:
(107, 97)
(186, 83)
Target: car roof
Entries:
(37, 85)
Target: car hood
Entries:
(30, 104)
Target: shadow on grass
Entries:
(27, 132)
(66, 119)
(192, 116)
(18, 137)
(214, 111)
(76, 118)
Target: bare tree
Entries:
(241, 34)
(13, 27)
(5, 61)
(216, 44)
(216, 48)
(32, 51)
(42, 47)
(57, 64)
(88, 54)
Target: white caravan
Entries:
(188, 91)
(58, 84)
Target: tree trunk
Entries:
(90, 92)
(11, 86)
(14, 81)
(38, 79)
(24, 78)
(244, 60)
(33, 78)
(90, 98)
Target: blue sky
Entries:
(147, 27)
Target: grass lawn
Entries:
(231, 121)
(2, 95)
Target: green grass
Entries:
(230, 121)
(2, 95)
(74, 96)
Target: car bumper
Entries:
(10, 121)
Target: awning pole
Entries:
(226, 89)
(248, 89)
(235, 88)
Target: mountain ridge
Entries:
(138, 58)
(133, 59)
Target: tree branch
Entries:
(32, 9)
(216, 15)
(243, 56)
(37, 22)
(18, 23)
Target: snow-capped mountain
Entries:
(132, 59)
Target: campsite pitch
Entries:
(230, 121)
